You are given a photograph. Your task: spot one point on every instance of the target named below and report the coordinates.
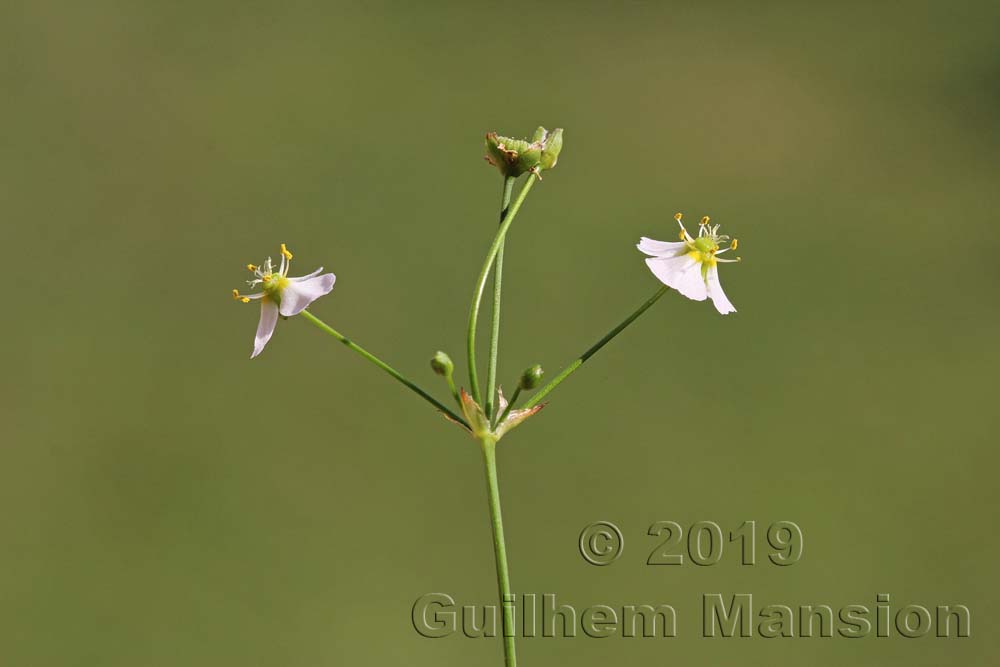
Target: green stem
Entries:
(566, 372)
(484, 273)
(491, 369)
(500, 551)
(381, 364)
(510, 405)
(454, 390)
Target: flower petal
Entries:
(298, 294)
(268, 318)
(692, 284)
(661, 248)
(683, 273)
(718, 297)
(311, 275)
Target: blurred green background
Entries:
(166, 501)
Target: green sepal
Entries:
(551, 146)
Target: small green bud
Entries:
(514, 157)
(442, 365)
(531, 377)
(551, 145)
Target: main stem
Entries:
(592, 350)
(500, 551)
(381, 364)
(484, 273)
(491, 369)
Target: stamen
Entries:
(682, 234)
(285, 252)
(240, 297)
(251, 267)
(678, 216)
(704, 221)
(735, 244)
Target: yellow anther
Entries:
(678, 216)
(735, 244)
(251, 267)
(240, 297)
(705, 220)
(681, 235)
(285, 252)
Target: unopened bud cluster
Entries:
(514, 157)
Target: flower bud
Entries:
(442, 365)
(551, 145)
(514, 157)
(531, 377)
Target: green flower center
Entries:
(273, 284)
(706, 245)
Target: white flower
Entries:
(690, 265)
(282, 295)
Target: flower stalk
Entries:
(484, 273)
(593, 349)
(491, 368)
(409, 384)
